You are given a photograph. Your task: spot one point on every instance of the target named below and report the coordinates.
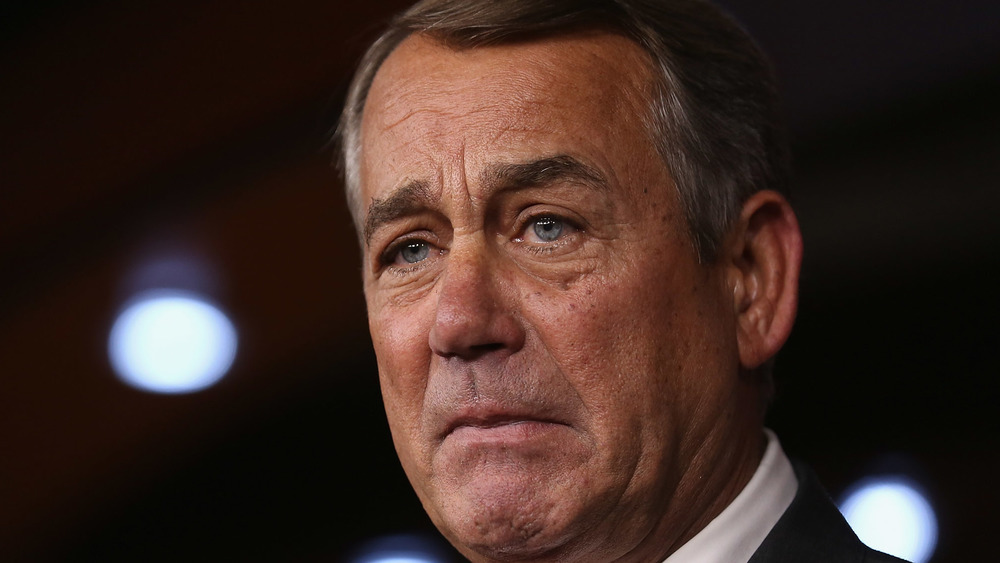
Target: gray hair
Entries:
(713, 115)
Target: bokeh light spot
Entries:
(403, 548)
(171, 342)
(891, 515)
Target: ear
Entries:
(764, 253)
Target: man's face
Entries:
(559, 372)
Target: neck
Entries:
(722, 466)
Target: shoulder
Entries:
(812, 529)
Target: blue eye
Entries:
(548, 229)
(415, 251)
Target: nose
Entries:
(475, 312)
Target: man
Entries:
(578, 264)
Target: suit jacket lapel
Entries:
(813, 530)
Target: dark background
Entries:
(139, 132)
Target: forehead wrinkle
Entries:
(413, 112)
(397, 102)
(489, 115)
(411, 94)
(456, 76)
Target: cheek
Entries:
(599, 334)
(632, 345)
(399, 337)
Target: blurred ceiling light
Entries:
(168, 341)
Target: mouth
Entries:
(499, 425)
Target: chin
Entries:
(521, 493)
(501, 522)
(510, 539)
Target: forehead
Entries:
(536, 70)
(430, 101)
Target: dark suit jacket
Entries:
(812, 530)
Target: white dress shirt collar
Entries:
(735, 534)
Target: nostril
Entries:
(474, 351)
(491, 347)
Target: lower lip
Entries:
(508, 433)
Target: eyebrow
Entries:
(551, 170)
(416, 196)
(404, 202)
